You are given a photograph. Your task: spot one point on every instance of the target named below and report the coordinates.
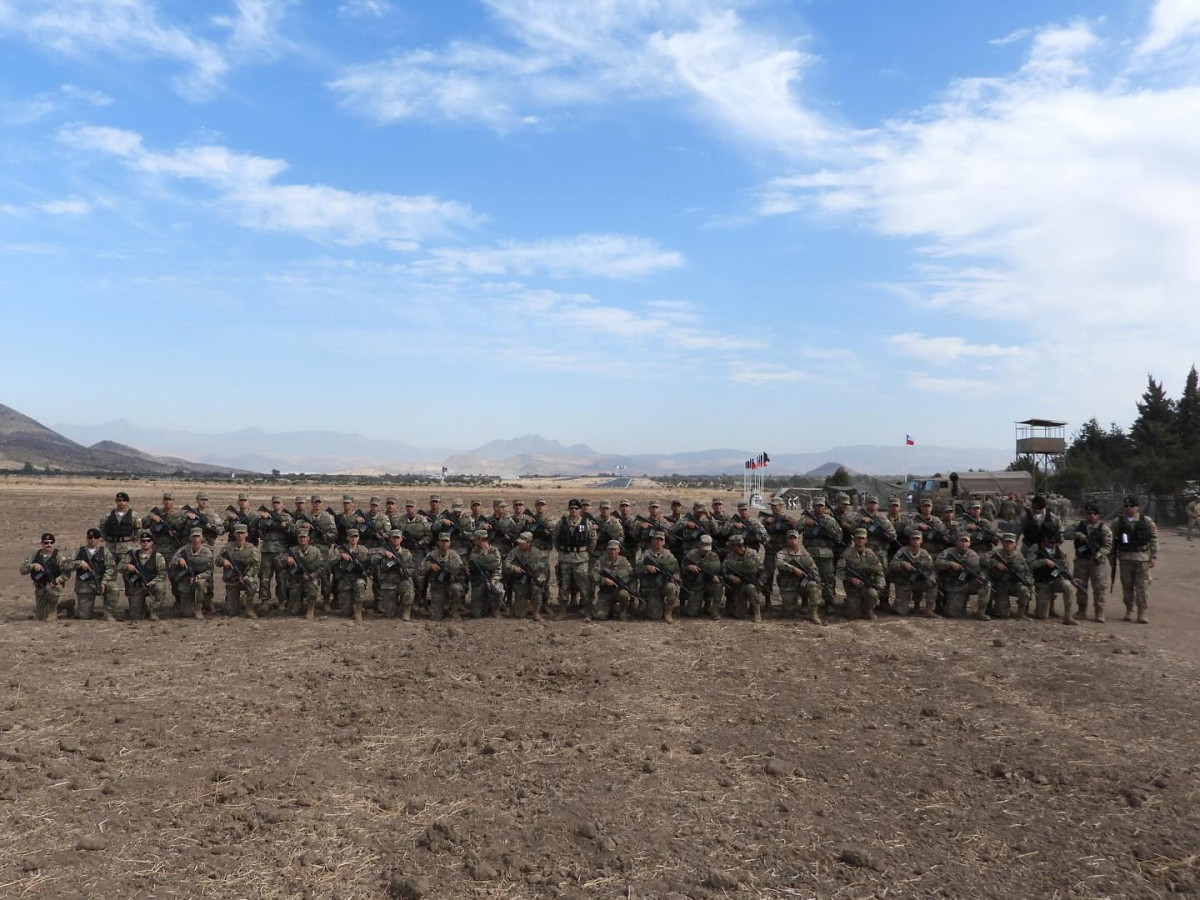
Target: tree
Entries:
(1187, 426)
(1156, 442)
(839, 477)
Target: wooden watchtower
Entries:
(1043, 442)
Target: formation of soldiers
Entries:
(616, 563)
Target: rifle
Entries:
(1009, 574)
(356, 565)
(236, 569)
(806, 575)
(42, 578)
(163, 524)
(139, 577)
(496, 590)
(275, 517)
(851, 572)
(188, 571)
(93, 563)
(395, 560)
(978, 577)
(621, 583)
(201, 520)
(368, 529)
(1059, 572)
(982, 530)
(536, 527)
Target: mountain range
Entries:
(337, 452)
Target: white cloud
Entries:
(365, 9)
(951, 386)
(135, 29)
(566, 53)
(247, 187)
(939, 350)
(40, 106)
(72, 207)
(600, 255)
(1171, 22)
(1011, 38)
(758, 375)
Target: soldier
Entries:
(1008, 509)
(844, 515)
(528, 570)
(1009, 574)
(899, 523)
(1136, 540)
(191, 569)
(392, 513)
(372, 525)
(962, 577)
(323, 533)
(95, 569)
(648, 524)
(145, 572)
(443, 569)
(913, 577)
(935, 536)
(417, 541)
(239, 515)
(777, 524)
(352, 566)
(741, 571)
(485, 569)
(860, 570)
(719, 518)
(988, 508)
(48, 572)
(203, 518)
(542, 530)
(701, 576)
(394, 569)
(631, 526)
(981, 531)
(345, 519)
(435, 507)
(167, 524)
(1193, 517)
(274, 534)
(1033, 525)
(881, 533)
(460, 528)
(607, 528)
(472, 521)
(303, 566)
(658, 578)
(799, 580)
(240, 563)
(614, 581)
(1093, 551)
(822, 539)
(573, 539)
(751, 530)
(502, 527)
(120, 527)
(1051, 576)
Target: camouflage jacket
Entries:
(921, 560)
(246, 558)
(207, 521)
(622, 568)
(958, 580)
(747, 567)
(392, 566)
(102, 563)
(199, 561)
(606, 530)
(787, 559)
(864, 565)
(1016, 567)
(822, 535)
(534, 566)
(416, 532)
(152, 563)
(1093, 543)
(881, 533)
(307, 564)
(749, 528)
(707, 561)
(776, 527)
(664, 562)
(484, 565)
(274, 534)
(56, 565)
(450, 566)
(169, 529)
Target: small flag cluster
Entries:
(909, 441)
(759, 462)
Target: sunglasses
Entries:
(48, 543)
(145, 540)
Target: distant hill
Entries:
(26, 441)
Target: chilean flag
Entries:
(909, 441)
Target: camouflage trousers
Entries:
(958, 596)
(913, 596)
(1002, 594)
(703, 596)
(145, 599)
(486, 598)
(240, 595)
(85, 599)
(191, 596)
(1135, 580)
(797, 594)
(46, 601)
(1044, 592)
(743, 600)
(526, 599)
(444, 598)
(351, 595)
(860, 600)
(608, 602)
(270, 568)
(769, 554)
(303, 595)
(1094, 575)
(659, 598)
(827, 569)
(573, 583)
(396, 598)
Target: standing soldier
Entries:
(434, 512)
(443, 569)
(701, 575)
(484, 569)
(417, 537)
(658, 576)
(542, 530)
(240, 562)
(750, 530)
(392, 513)
(719, 518)
(345, 519)
(372, 525)
(191, 569)
(352, 565)
(1008, 510)
(989, 508)
(573, 539)
(607, 528)
(692, 527)
(168, 525)
(981, 531)
(614, 580)
(459, 528)
(799, 579)
(646, 525)
(274, 535)
(934, 534)
(303, 567)
(502, 527)
(741, 572)
(1051, 576)
(1136, 541)
(1009, 573)
(881, 534)
(777, 525)
(528, 570)
(120, 527)
(860, 571)
(1093, 550)
(913, 577)
(1034, 523)
(145, 579)
(203, 518)
(631, 524)
(239, 515)
(323, 534)
(48, 572)
(394, 569)
(822, 538)
(95, 576)
(962, 577)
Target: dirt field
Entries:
(898, 758)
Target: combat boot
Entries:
(813, 615)
(198, 614)
(1141, 616)
(714, 611)
(406, 614)
(358, 614)
(1099, 612)
(1067, 618)
(755, 613)
(668, 617)
(109, 617)
(249, 612)
(1128, 613)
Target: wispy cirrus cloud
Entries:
(599, 255)
(247, 186)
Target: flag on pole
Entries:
(909, 441)
(766, 459)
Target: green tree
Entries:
(840, 477)
(1155, 437)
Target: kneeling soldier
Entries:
(528, 570)
(701, 576)
(443, 571)
(351, 567)
(1010, 576)
(192, 571)
(1051, 576)
(742, 572)
(861, 572)
(95, 575)
(145, 579)
(240, 561)
(912, 575)
(484, 567)
(303, 568)
(614, 576)
(658, 576)
(962, 577)
(394, 575)
(48, 574)
(799, 579)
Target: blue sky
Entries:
(648, 225)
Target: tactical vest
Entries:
(118, 529)
(1031, 531)
(1042, 574)
(50, 565)
(1139, 535)
(150, 566)
(575, 537)
(96, 561)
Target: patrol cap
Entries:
(1131, 501)
(539, 502)
(240, 528)
(962, 536)
(302, 531)
(525, 537)
(48, 538)
(652, 504)
(142, 536)
(202, 496)
(914, 533)
(168, 496)
(818, 501)
(584, 501)
(624, 502)
(475, 502)
(482, 534)
(1091, 507)
(456, 504)
(893, 501)
(606, 504)
(121, 495)
(300, 498)
(499, 501)
(843, 498)
(517, 501)
(375, 501)
(410, 502)
(743, 504)
(315, 498)
(657, 535)
(346, 498)
(777, 501)
(975, 504)
(443, 536)
(859, 532)
(698, 504)
(870, 498)
(675, 501)
(395, 532)
(925, 501)
(793, 533)
(243, 496)
(1008, 537)
(613, 545)
(706, 540)
(275, 498)
(736, 540)
(94, 533)
(390, 500)
(435, 498)
(196, 532)
(352, 532)
(717, 500)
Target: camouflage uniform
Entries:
(959, 586)
(913, 592)
(659, 589)
(1136, 542)
(351, 576)
(528, 584)
(191, 590)
(169, 533)
(1014, 580)
(822, 537)
(1093, 552)
(99, 580)
(750, 529)
(49, 582)
(323, 532)
(981, 531)
(704, 589)
(574, 541)
(274, 535)
(610, 599)
(145, 597)
(303, 575)
(795, 586)
(719, 519)
(865, 565)
(606, 529)
(445, 585)
(211, 528)
(415, 528)
(744, 597)
(935, 536)
(485, 568)
(240, 592)
(1051, 576)
(776, 524)
(394, 570)
(120, 531)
